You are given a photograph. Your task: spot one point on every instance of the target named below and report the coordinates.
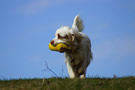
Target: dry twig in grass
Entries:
(47, 68)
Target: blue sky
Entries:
(27, 26)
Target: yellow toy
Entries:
(61, 47)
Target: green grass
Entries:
(123, 83)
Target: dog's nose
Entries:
(52, 42)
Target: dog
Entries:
(79, 57)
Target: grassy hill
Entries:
(124, 83)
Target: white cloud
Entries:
(125, 46)
(118, 47)
(34, 6)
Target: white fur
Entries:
(79, 57)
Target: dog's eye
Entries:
(59, 36)
(66, 37)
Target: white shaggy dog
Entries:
(80, 55)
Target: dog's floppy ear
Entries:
(72, 37)
(75, 38)
(78, 23)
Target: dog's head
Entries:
(69, 35)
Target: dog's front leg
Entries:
(70, 70)
(83, 75)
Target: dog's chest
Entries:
(74, 59)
